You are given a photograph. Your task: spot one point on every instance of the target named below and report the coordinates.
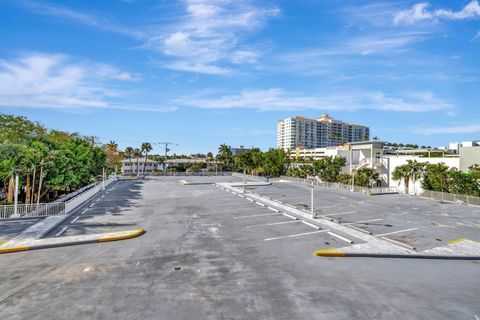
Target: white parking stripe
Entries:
(311, 225)
(74, 220)
(389, 233)
(340, 237)
(255, 215)
(272, 224)
(338, 213)
(92, 205)
(296, 235)
(62, 231)
(291, 217)
(273, 209)
(84, 211)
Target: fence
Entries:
(181, 174)
(50, 209)
(32, 210)
(451, 197)
(338, 186)
(251, 177)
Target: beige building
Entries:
(317, 133)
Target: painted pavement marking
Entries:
(296, 235)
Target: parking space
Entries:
(11, 228)
(411, 222)
(113, 209)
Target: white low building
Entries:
(136, 166)
(372, 154)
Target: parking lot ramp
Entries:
(34, 244)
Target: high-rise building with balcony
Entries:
(318, 133)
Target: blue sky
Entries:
(203, 72)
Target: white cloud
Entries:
(463, 129)
(245, 56)
(276, 99)
(477, 36)
(210, 33)
(187, 66)
(420, 12)
(57, 81)
(45, 8)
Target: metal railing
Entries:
(53, 208)
(339, 186)
(181, 174)
(32, 210)
(450, 197)
(251, 177)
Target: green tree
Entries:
(344, 178)
(129, 155)
(275, 162)
(225, 156)
(146, 148)
(328, 168)
(404, 173)
(366, 177)
(435, 177)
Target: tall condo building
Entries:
(318, 133)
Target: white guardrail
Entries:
(51, 209)
(451, 197)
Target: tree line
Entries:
(439, 177)
(49, 163)
(329, 169)
(272, 163)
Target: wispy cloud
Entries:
(208, 37)
(476, 37)
(276, 99)
(420, 12)
(210, 34)
(463, 129)
(49, 9)
(58, 81)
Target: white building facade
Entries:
(372, 154)
(137, 165)
(317, 133)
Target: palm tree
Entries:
(402, 172)
(225, 155)
(366, 177)
(7, 171)
(416, 171)
(137, 153)
(146, 147)
(129, 154)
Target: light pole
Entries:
(244, 177)
(103, 178)
(314, 215)
(353, 180)
(15, 203)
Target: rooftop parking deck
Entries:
(211, 254)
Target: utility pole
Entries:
(166, 153)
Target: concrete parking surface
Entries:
(210, 254)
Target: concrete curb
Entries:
(74, 240)
(332, 253)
